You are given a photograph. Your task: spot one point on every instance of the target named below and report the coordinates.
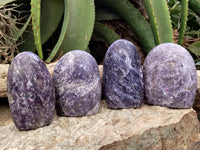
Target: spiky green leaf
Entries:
(135, 19)
(105, 14)
(35, 13)
(28, 43)
(63, 34)
(105, 32)
(51, 14)
(159, 17)
(195, 48)
(22, 30)
(79, 28)
(184, 13)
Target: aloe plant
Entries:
(195, 48)
(21, 31)
(27, 42)
(63, 33)
(43, 22)
(136, 21)
(35, 12)
(159, 17)
(80, 26)
(184, 13)
(77, 27)
(51, 15)
(105, 32)
(74, 22)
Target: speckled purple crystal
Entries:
(170, 76)
(122, 76)
(77, 84)
(30, 92)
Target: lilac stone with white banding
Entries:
(123, 84)
(30, 92)
(77, 84)
(170, 76)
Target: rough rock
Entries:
(3, 79)
(170, 76)
(77, 84)
(148, 127)
(30, 92)
(123, 84)
(196, 104)
(194, 146)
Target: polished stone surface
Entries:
(170, 76)
(123, 85)
(77, 84)
(30, 92)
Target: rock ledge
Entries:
(148, 127)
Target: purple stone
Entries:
(170, 76)
(122, 76)
(77, 84)
(30, 92)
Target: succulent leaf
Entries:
(35, 12)
(105, 32)
(28, 43)
(22, 30)
(51, 14)
(80, 26)
(195, 48)
(78, 30)
(184, 13)
(134, 18)
(105, 14)
(55, 50)
(159, 18)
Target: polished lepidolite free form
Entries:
(122, 76)
(30, 92)
(170, 76)
(77, 84)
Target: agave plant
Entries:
(159, 30)
(76, 18)
(71, 23)
(77, 25)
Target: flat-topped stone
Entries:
(30, 91)
(123, 84)
(148, 127)
(77, 84)
(170, 76)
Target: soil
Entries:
(5, 113)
